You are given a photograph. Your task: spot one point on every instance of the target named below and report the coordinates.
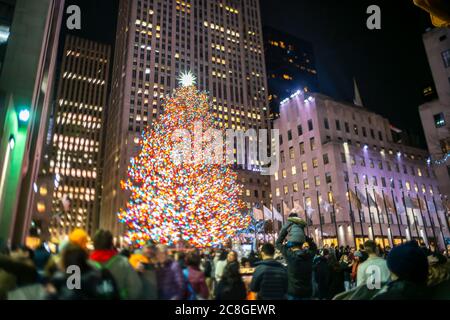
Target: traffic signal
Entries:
(438, 9)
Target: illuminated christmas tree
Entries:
(175, 196)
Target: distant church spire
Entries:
(357, 98)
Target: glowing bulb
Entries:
(24, 115)
(187, 79)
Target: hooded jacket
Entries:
(294, 230)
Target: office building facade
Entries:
(341, 170)
(70, 180)
(435, 114)
(29, 34)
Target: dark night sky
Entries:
(390, 65)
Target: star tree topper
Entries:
(187, 79)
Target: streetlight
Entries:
(24, 115)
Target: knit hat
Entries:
(79, 237)
(135, 259)
(408, 262)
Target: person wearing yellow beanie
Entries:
(80, 238)
(147, 275)
(138, 259)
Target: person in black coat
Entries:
(270, 280)
(337, 278)
(409, 272)
(344, 264)
(322, 275)
(299, 268)
(20, 264)
(231, 286)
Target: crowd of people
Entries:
(293, 268)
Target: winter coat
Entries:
(354, 273)
(24, 271)
(94, 285)
(441, 291)
(171, 283)
(359, 293)
(126, 278)
(41, 257)
(220, 268)
(231, 291)
(336, 284)
(402, 290)
(7, 283)
(15, 273)
(299, 270)
(346, 270)
(322, 277)
(270, 280)
(294, 230)
(196, 279)
(149, 284)
(31, 292)
(372, 262)
(207, 268)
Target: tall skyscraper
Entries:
(220, 42)
(290, 64)
(435, 114)
(29, 33)
(69, 188)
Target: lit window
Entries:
(439, 120)
(306, 184)
(294, 170)
(408, 186)
(312, 143)
(315, 163)
(43, 191)
(317, 181)
(304, 167)
(446, 58)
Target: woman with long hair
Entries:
(231, 286)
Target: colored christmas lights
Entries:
(173, 201)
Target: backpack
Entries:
(191, 294)
(107, 285)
